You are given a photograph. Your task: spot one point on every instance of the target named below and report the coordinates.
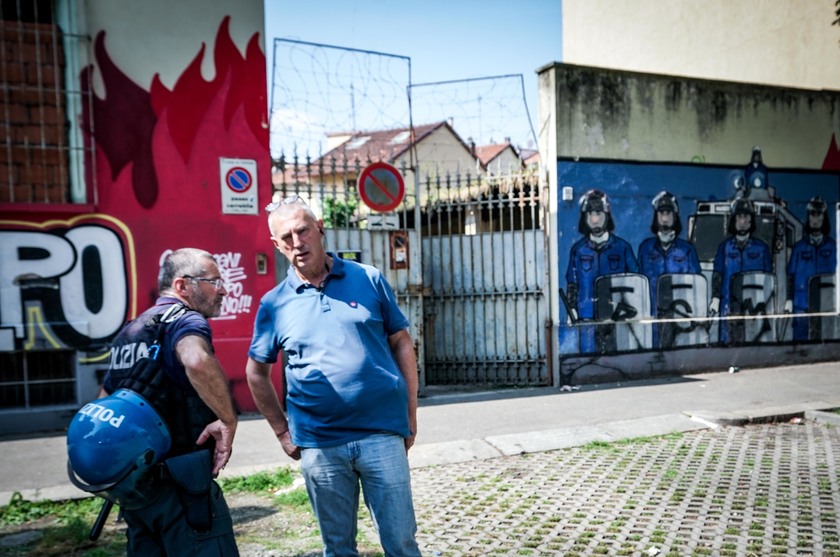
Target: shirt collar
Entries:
(336, 271)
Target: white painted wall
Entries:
(156, 27)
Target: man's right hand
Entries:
(290, 448)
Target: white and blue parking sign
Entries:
(238, 186)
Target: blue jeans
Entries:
(332, 477)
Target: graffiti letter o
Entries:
(109, 276)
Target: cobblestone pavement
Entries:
(763, 490)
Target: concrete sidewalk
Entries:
(467, 426)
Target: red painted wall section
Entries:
(832, 157)
(156, 174)
(169, 192)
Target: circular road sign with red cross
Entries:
(239, 179)
(381, 187)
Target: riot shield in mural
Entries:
(822, 299)
(753, 300)
(622, 300)
(681, 305)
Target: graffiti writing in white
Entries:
(233, 273)
(78, 276)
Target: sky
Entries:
(462, 42)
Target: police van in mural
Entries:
(763, 264)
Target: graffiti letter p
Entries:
(28, 256)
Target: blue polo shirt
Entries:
(342, 381)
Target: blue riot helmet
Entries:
(666, 201)
(594, 200)
(113, 446)
(817, 207)
(740, 206)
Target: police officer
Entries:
(665, 252)
(755, 173)
(193, 398)
(739, 253)
(814, 254)
(597, 253)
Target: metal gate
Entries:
(484, 273)
(468, 264)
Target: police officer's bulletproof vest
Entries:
(185, 414)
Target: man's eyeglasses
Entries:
(293, 199)
(217, 282)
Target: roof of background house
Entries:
(530, 156)
(384, 145)
(486, 153)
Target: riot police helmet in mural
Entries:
(756, 155)
(594, 201)
(817, 207)
(666, 201)
(741, 206)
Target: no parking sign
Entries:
(239, 186)
(381, 187)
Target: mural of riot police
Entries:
(665, 252)
(598, 253)
(739, 253)
(755, 173)
(814, 254)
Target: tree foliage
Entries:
(338, 214)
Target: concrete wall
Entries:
(632, 136)
(632, 116)
(790, 43)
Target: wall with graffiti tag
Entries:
(174, 152)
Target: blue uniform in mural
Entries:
(587, 262)
(654, 260)
(806, 260)
(680, 257)
(732, 259)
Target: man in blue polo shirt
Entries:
(351, 384)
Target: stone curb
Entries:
(766, 415)
(822, 416)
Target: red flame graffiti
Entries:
(832, 157)
(128, 118)
(124, 122)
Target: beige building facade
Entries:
(788, 43)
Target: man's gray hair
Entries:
(191, 262)
(284, 211)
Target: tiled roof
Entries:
(487, 153)
(530, 156)
(382, 145)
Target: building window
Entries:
(34, 379)
(42, 53)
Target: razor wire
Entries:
(485, 110)
(321, 91)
